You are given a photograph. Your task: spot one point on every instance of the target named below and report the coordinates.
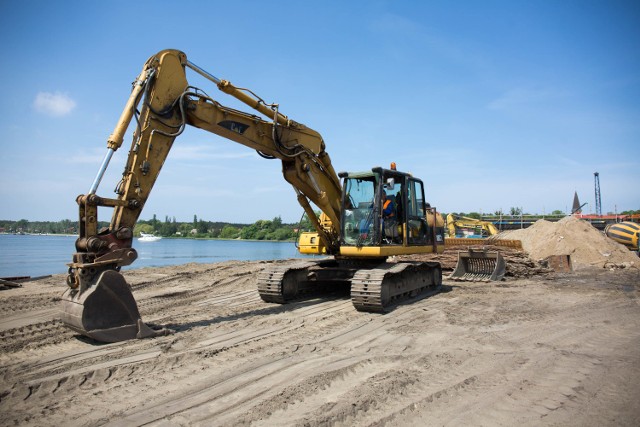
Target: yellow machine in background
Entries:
(626, 233)
(355, 228)
(462, 226)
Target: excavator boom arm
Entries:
(99, 302)
(167, 104)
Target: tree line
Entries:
(262, 229)
(273, 229)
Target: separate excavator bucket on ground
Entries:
(106, 310)
(479, 266)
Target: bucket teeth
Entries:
(479, 266)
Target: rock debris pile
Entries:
(587, 246)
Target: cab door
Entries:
(416, 214)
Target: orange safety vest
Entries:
(386, 204)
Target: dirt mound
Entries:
(587, 246)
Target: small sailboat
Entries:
(144, 237)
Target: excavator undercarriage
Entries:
(375, 286)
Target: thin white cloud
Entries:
(85, 156)
(524, 96)
(94, 159)
(272, 189)
(53, 104)
(566, 161)
(200, 152)
(395, 24)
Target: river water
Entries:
(36, 255)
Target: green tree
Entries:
(275, 223)
(67, 227)
(250, 232)
(229, 232)
(168, 228)
(143, 228)
(22, 225)
(263, 224)
(283, 233)
(185, 228)
(202, 227)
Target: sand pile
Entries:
(587, 246)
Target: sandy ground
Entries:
(551, 349)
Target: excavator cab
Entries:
(386, 208)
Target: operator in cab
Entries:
(388, 209)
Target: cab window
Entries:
(358, 219)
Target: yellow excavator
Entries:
(462, 226)
(357, 229)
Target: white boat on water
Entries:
(144, 237)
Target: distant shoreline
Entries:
(163, 237)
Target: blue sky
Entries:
(494, 104)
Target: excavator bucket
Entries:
(106, 311)
(479, 266)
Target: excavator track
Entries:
(375, 290)
(282, 283)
